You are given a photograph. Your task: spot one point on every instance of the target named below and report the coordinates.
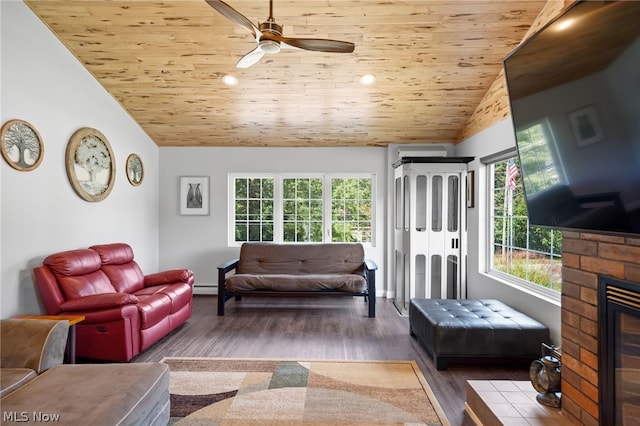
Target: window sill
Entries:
(542, 293)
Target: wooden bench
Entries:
(271, 269)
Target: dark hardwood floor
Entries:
(320, 328)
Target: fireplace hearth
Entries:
(619, 369)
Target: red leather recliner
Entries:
(125, 311)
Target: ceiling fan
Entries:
(269, 37)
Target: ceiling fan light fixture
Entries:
(270, 46)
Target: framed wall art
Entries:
(22, 146)
(470, 189)
(194, 195)
(91, 166)
(586, 126)
(134, 169)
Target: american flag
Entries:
(512, 174)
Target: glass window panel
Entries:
(337, 189)
(267, 231)
(267, 188)
(252, 205)
(289, 231)
(530, 253)
(421, 203)
(241, 188)
(398, 201)
(241, 208)
(407, 203)
(289, 188)
(241, 232)
(255, 188)
(436, 203)
(316, 189)
(316, 231)
(453, 189)
(436, 277)
(316, 210)
(254, 231)
(267, 210)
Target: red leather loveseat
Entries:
(125, 311)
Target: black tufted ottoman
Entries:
(474, 328)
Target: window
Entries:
(254, 209)
(527, 255)
(302, 208)
(351, 209)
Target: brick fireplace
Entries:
(585, 257)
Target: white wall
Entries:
(200, 242)
(44, 84)
(495, 139)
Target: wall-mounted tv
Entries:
(574, 90)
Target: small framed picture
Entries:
(194, 195)
(586, 126)
(470, 189)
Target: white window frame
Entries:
(512, 280)
(278, 208)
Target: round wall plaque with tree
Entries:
(91, 166)
(135, 171)
(22, 145)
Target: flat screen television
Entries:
(574, 91)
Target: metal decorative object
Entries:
(545, 375)
(135, 170)
(21, 145)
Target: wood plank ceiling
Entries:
(163, 61)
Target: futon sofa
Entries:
(125, 311)
(273, 269)
(37, 388)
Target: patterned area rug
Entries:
(218, 391)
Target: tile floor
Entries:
(509, 403)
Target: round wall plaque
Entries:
(90, 164)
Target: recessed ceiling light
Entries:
(563, 25)
(367, 79)
(230, 80)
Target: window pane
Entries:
(530, 253)
(253, 209)
(267, 231)
(316, 210)
(241, 188)
(351, 214)
(254, 231)
(255, 188)
(241, 231)
(302, 203)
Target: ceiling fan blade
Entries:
(250, 58)
(315, 44)
(233, 15)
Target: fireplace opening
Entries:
(619, 347)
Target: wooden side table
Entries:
(70, 351)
